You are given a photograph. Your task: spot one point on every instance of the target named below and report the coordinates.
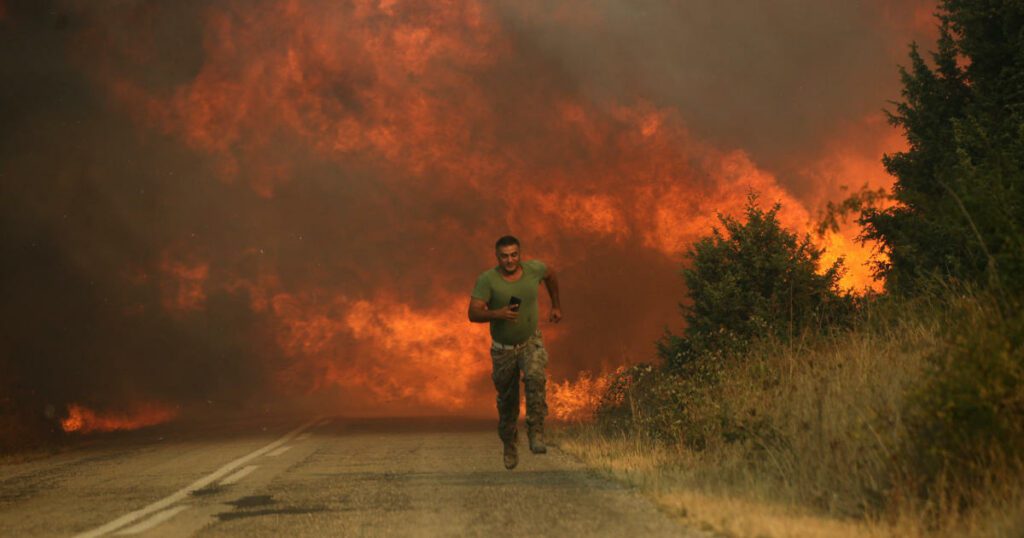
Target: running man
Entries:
(506, 297)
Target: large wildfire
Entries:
(270, 199)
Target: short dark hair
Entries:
(506, 241)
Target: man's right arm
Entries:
(478, 312)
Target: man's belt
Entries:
(498, 346)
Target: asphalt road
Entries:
(327, 477)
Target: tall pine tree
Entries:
(960, 185)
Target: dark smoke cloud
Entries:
(108, 206)
(777, 79)
(87, 205)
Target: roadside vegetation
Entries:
(789, 407)
(908, 422)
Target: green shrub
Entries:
(659, 404)
(753, 279)
(966, 420)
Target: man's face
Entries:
(508, 258)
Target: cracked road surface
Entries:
(337, 477)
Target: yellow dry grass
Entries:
(834, 406)
(683, 485)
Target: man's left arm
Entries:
(551, 283)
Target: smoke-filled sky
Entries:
(257, 200)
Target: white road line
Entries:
(198, 484)
(303, 437)
(153, 521)
(279, 451)
(238, 475)
(324, 422)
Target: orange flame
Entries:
(81, 419)
(425, 358)
(398, 86)
(852, 160)
(576, 401)
(639, 175)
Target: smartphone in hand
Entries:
(514, 303)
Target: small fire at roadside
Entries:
(576, 401)
(83, 420)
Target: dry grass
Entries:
(683, 484)
(823, 427)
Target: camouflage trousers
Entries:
(528, 359)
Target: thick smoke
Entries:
(253, 201)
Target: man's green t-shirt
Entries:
(497, 291)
